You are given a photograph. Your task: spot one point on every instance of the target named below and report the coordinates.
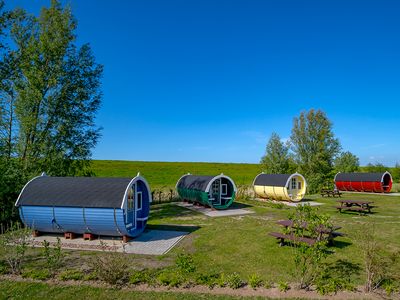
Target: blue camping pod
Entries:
(100, 206)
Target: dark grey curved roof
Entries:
(361, 177)
(74, 191)
(194, 182)
(272, 179)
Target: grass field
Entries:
(241, 244)
(227, 244)
(166, 174)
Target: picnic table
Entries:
(325, 233)
(359, 206)
(329, 192)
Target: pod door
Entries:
(130, 208)
(215, 192)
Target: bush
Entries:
(13, 246)
(283, 286)
(3, 268)
(234, 281)
(185, 263)
(144, 276)
(221, 281)
(71, 275)
(255, 281)
(38, 274)
(335, 277)
(209, 280)
(111, 268)
(53, 256)
(92, 276)
(170, 278)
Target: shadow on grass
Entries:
(170, 210)
(185, 228)
(340, 244)
(239, 205)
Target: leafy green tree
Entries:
(376, 168)
(347, 162)
(276, 159)
(396, 172)
(315, 147)
(49, 96)
(57, 93)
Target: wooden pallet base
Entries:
(69, 235)
(35, 233)
(89, 236)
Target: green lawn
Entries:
(232, 244)
(30, 290)
(166, 174)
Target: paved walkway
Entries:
(151, 242)
(215, 213)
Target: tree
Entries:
(347, 162)
(376, 168)
(396, 172)
(57, 93)
(49, 96)
(315, 147)
(276, 159)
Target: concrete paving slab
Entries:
(151, 242)
(215, 213)
(155, 242)
(292, 204)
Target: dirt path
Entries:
(243, 292)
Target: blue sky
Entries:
(211, 80)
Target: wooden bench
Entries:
(328, 193)
(354, 208)
(282, 237)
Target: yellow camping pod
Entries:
(288, 187)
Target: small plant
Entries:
(234, 281)
(268, 285)
(170, 278)
(283, 286)
(144, 276)
(71, 275)
(221, 281)
(37, 274)
(53, 256)
(13, 246)
(3, 268)
(92, 276)
(111, 268)
(185, 263)
(255, 281)
(209, 280)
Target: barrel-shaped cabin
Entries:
(287, 187)
(214, 191)
(99, 206)
(364, 182)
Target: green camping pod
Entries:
(215, 191)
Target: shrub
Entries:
(111, 268)
(336, 277)
(53, 256)
(3, 268)
(170, 278)
(283, 286)
(255, 281)
(209, 280)
(144, 276)
(92, 276)
(13, 246)
(185, 263)
(221, 281)
(38, 274)
(234, 281)
(71, 275)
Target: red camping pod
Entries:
(364, 182)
